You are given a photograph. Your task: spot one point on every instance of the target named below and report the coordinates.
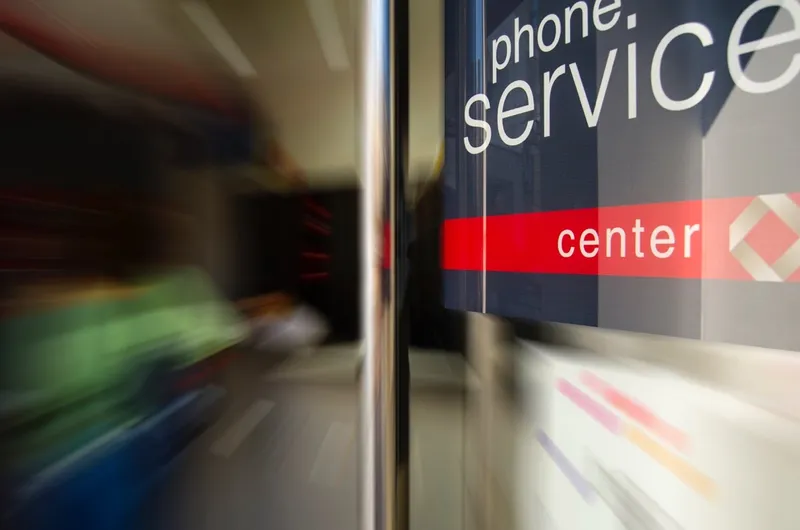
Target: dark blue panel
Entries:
(553, 297)
(618, 129)
(462, 290)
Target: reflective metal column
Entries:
(383, 133)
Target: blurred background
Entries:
(180, 266)
(180, 289)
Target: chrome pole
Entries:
(382, 169)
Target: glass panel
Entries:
(619, 181)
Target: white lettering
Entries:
(566, 233)
(633, 86)
(502, 114)
(600, 10)
(527, 28)
(496, 65)
(609, 241)
(590, 239)
(556, 38)
(706, 39)
(593, 115)
(605, 16)
(656, 241)
(549, 81)
(689, 230)
(661, 242)
(480, 124)
(637, 241)
(568, 12)
(736, 49)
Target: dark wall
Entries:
(64, 143)
(337, 296)
(271, 237)
(432, 326)
(89, 178)
(267, 244)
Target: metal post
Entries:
(402, 315)
(382, 139)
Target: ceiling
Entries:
(312, 106)
(96, 46)
(309, 101)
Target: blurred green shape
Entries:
(69, 372)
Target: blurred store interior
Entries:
(180, 267)
(180, 280)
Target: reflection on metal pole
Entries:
(401, 260)
(382, 139)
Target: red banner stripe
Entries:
(690, 239)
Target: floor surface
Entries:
(283, 454)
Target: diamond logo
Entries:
(777, 270)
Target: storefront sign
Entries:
(628, 164)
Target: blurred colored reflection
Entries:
(113, 332)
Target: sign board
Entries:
(616, 447)
(627, 164)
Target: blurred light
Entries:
(326, 24)
(213, 30)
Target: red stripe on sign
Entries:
(742, 238)
(462, 244)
